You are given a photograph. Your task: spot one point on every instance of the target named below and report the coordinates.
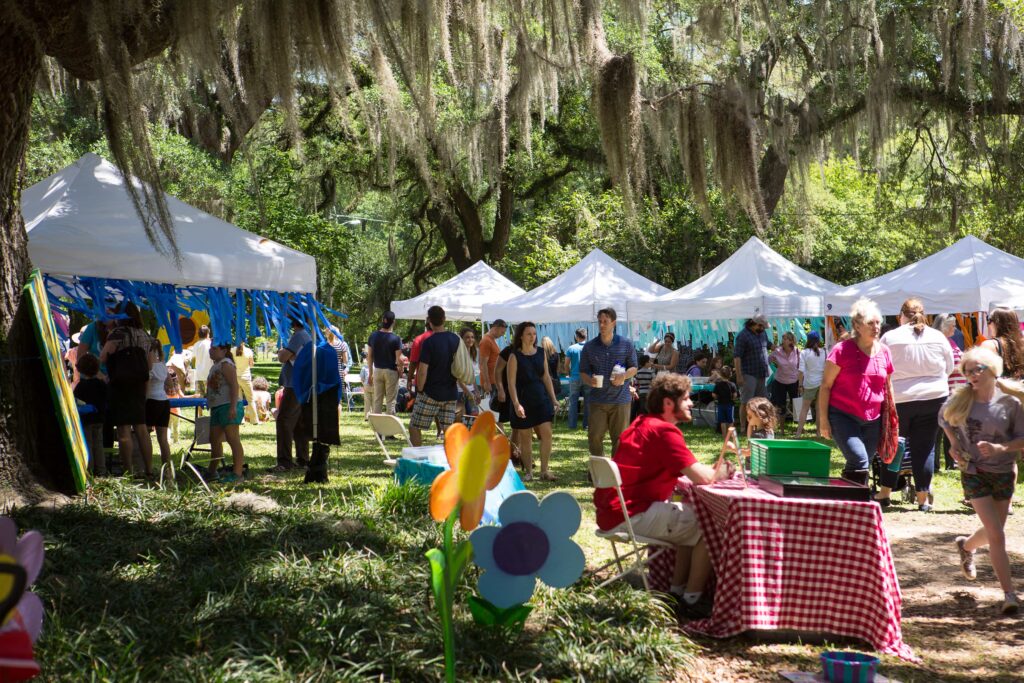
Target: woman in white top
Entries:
(809, 376)
(244, 361)
(922, 360)
(158, 406)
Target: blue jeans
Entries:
(576, 388)
(856, 440)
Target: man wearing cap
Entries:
(489, 355)
(750, 356)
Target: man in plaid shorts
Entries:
(436, 388)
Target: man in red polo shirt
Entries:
(414, 353)
(651, 456)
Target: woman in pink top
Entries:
(853, 390)
(785, 382)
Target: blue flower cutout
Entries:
(534, 541)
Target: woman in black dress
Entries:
(532, 398)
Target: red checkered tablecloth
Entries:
(798, 564)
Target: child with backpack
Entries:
(92, 391)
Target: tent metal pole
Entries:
(312, 315)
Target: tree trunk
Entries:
(772, 175)
(27, 417)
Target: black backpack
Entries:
(129, 364)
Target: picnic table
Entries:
(795, 564)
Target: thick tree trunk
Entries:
(27, 421)
(772, 176)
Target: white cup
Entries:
(598, 381)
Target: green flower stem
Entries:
(446, 602)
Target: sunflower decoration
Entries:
(187, 327)
(477, 458)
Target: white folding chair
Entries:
(605, 474)
(353, 387)
(385, 425)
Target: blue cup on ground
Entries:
(849, 667)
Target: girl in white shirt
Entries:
(809, 375)
(158, 406)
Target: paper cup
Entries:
(598, 381)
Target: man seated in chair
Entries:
(652, 455)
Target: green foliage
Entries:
(485, 613)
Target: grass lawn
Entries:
(141, 584)
(332, 585)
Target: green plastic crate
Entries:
(789, 457)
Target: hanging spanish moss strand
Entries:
(748, 76)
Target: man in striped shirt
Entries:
(609, 389)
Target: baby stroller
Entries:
(902, 467)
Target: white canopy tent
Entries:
(965, 277)
(596, 282)
(81, 222)
(462, 297)
(755, 279)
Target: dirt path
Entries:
(953, 624)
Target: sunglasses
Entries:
(976, 370)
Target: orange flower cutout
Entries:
(477, 458)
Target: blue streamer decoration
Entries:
(234, 314)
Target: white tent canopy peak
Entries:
(82, 222)
(597, 281)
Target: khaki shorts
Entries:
(810, 395)
(674, 523)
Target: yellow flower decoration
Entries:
(477, 458)
(187, 327)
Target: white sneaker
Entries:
(1010, 605)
